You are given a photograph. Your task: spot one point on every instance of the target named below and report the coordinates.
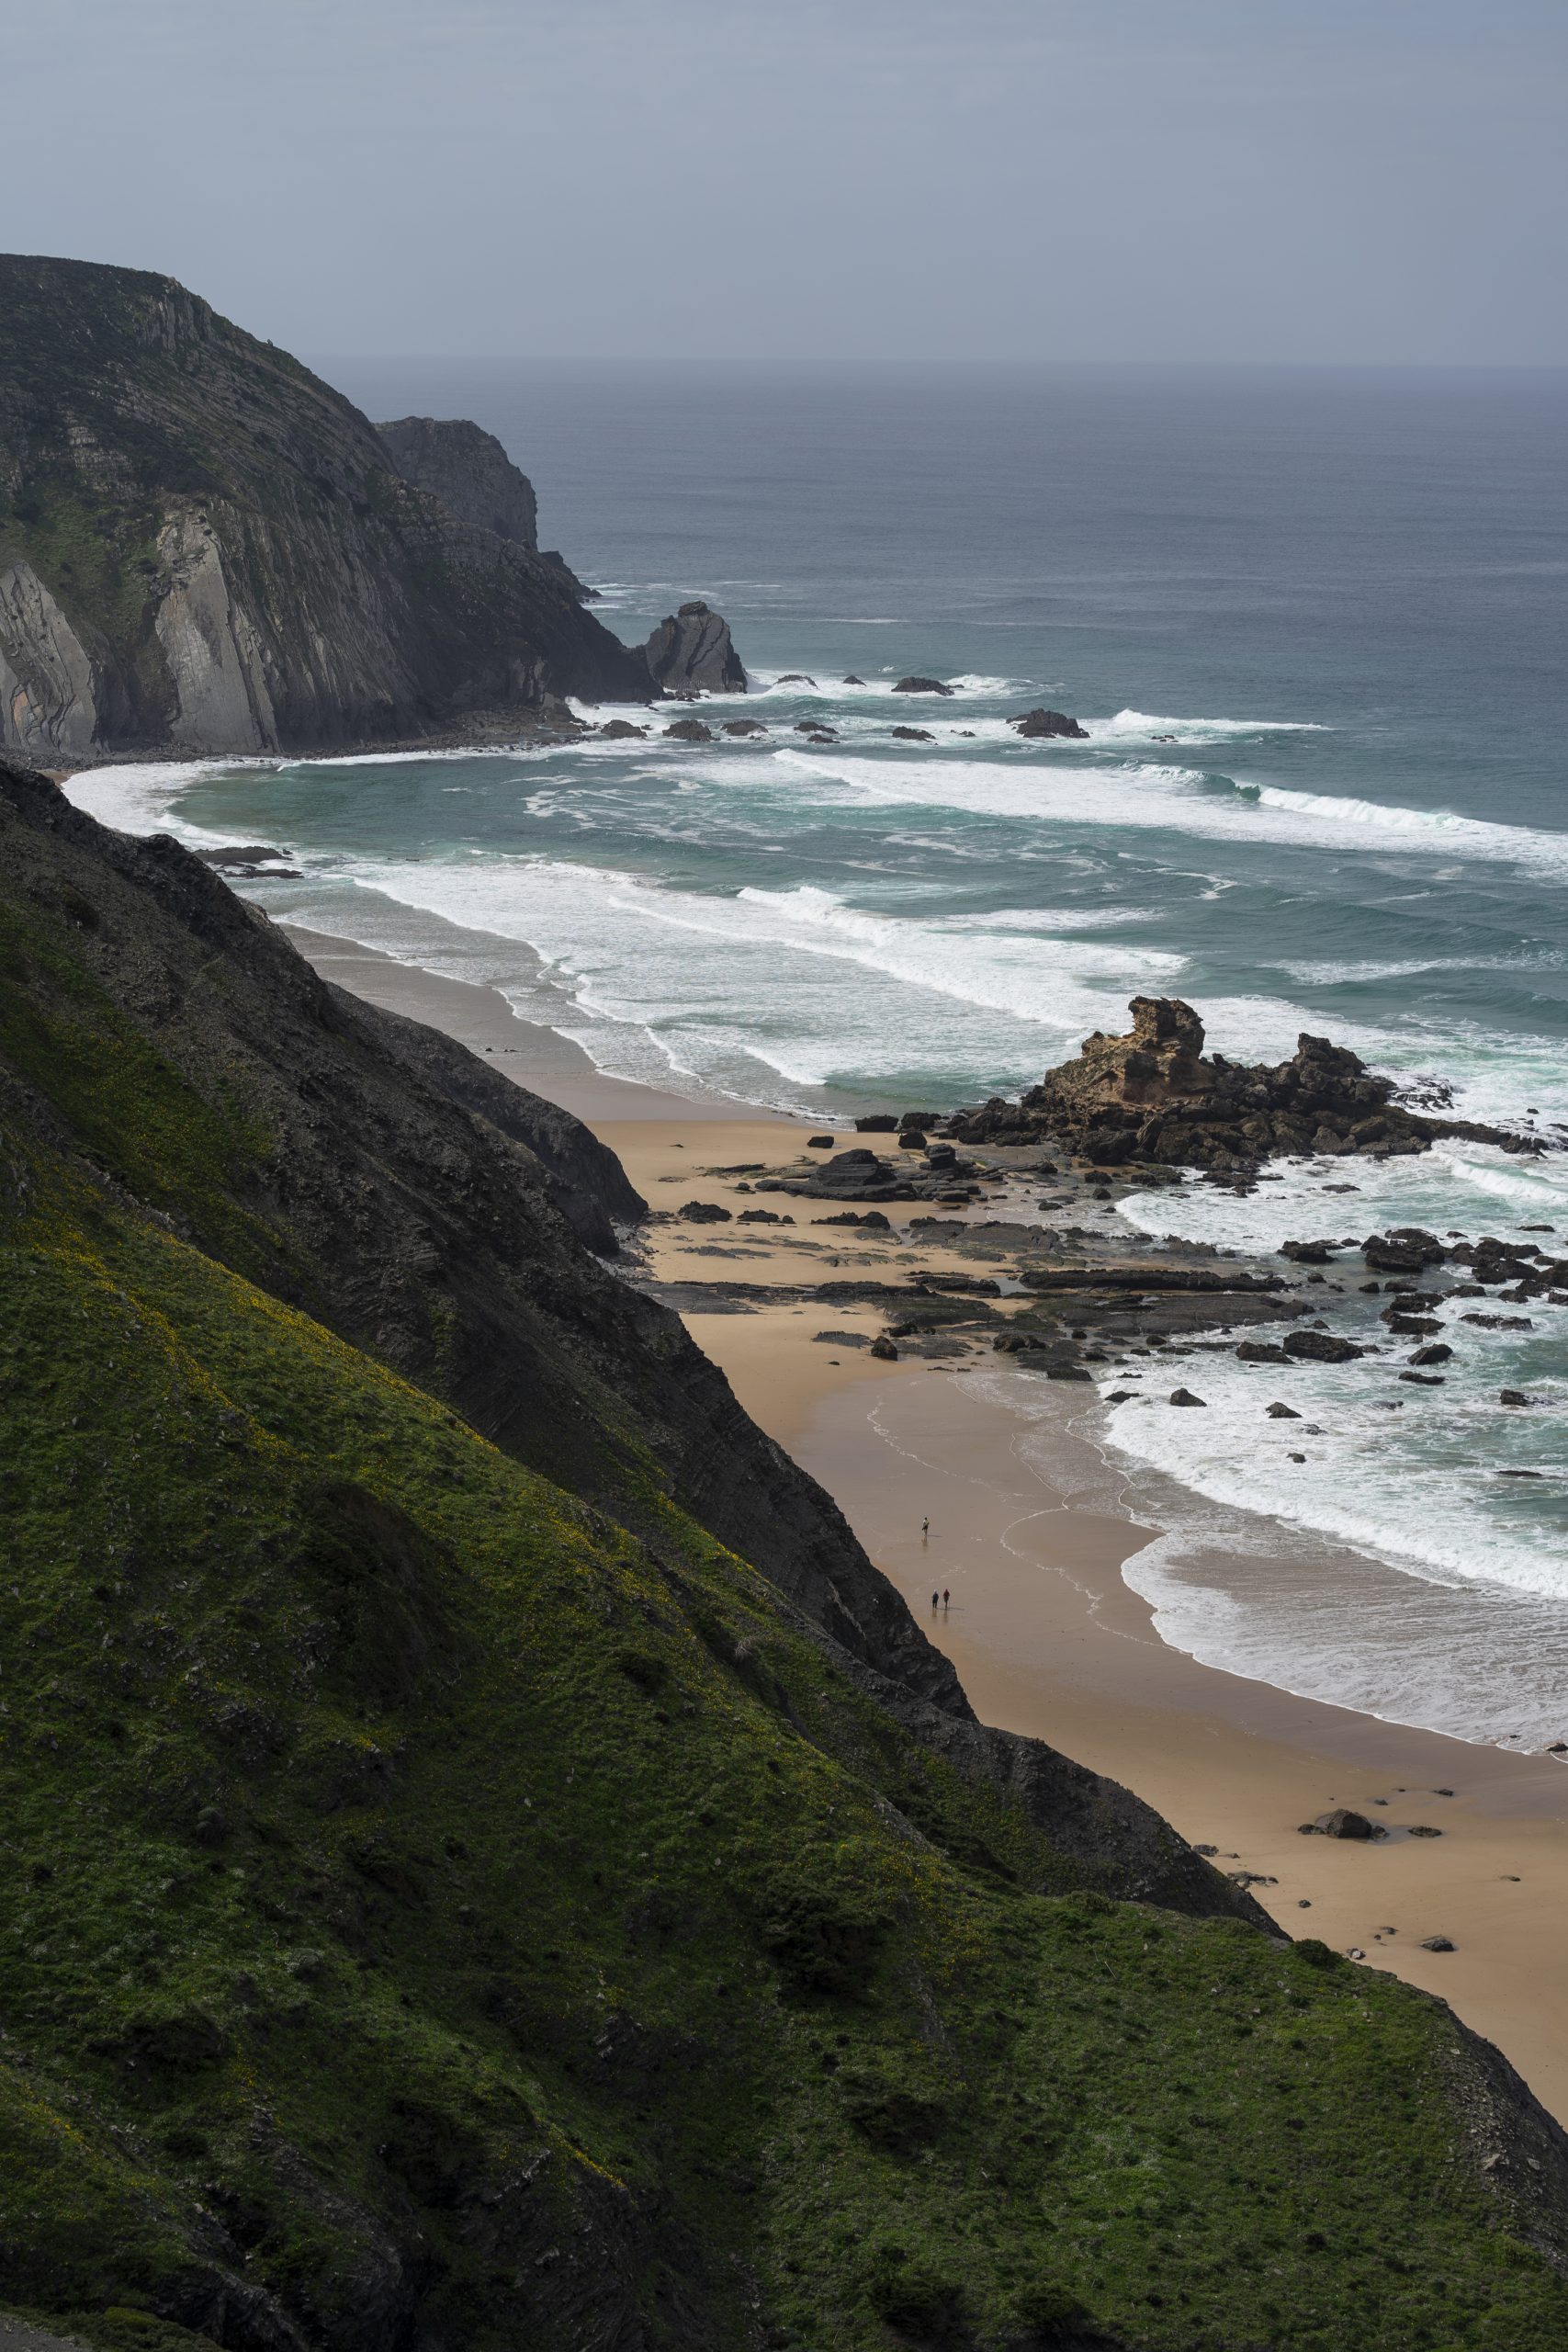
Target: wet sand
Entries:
(1045, 1633)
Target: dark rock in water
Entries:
(1423, 1379)
(818, 1143)
(744, 727)
(1261, 1352)
(616, 730)
(914, 735)
(1436, 1944)
(690, 730)
(1039, 722)
(691, 651)
(1439, 1353)
(921, 686)
(1283, 1413)
(877, 1122)
(469, 472)
(1321, 1347)
(1343, 1822)
(815, 728)
(850, 679)
(1406, 1250)
(796, 678)
(1153, 1096)
(1513, 1396)
(885, 1350)
(247, 853)
(1306, 1253)
(1185, 1396)
(704, 1213)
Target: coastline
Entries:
(1046, 1635)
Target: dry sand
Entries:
(1045, 1635)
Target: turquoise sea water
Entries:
(1314, 626)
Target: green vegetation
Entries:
(427, 1903)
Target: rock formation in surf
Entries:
(205, 548)
(1040, 721)
(692, 652)
(1153, 1095)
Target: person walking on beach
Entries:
(933, 1604)
(925, 1531)
(947, 1596)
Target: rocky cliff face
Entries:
(692, 652)
(469, 471)
(205, 548)
(1153, 1096)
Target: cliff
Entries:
(205, 548)
(488, 1859)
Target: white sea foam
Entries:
(1143, 727)
(1170, 798)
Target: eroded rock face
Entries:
(47, 698)
(691, 651)
(469, 471)
(1153, 1096)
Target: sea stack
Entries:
(692, 652)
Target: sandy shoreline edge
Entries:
(1047, 1636)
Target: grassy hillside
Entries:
(422, 1896)
(433, 1914)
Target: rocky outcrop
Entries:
(917, 685)
(1153, 1095)
(1040, 721)
(469, 471)
(203, 547)
(692, 652)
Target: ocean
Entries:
(1315, 625)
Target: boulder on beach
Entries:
(704, 1213)
(1343, 1822)
(922, 686)
(1040, 721)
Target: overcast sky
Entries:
(1257, 180)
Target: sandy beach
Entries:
(1045, 1634)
